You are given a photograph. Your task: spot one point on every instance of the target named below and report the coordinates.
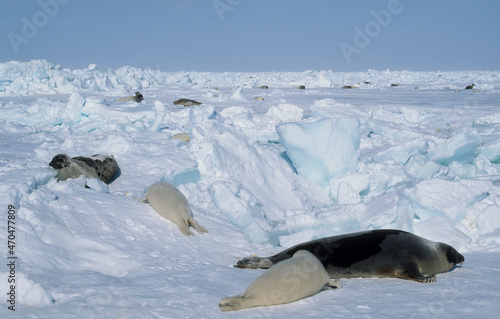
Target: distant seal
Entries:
(376, 253)
(170, 203)
(299, 87)
(103, 167)
(186, 102)
(182, 136)
(138, 97)
(469, 87)
(299, 277)
(264, 87)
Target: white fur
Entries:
(77, 168)
(181, 136)
(74, 171)
(170, 203)
(290, 280)
(125, 99)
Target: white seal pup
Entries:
(137, 97)
(375, 253)
(299, 277)
(186, 102)
(170, 203)
(182, 136)
(102, 167)
(125, 99)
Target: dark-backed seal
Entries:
(103, 167)
(299, 277)
(138, 97)
(170, 203)
(375, 253)
(186, 102)
(469, 87)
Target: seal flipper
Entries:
(411, 272)
(421, 278)
(333, 284)
(254, 263)
(200, 229)
(184, 228)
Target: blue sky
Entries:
(254, 35)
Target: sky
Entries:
(254, 35)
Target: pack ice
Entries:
(260, 176)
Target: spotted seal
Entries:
(103, 167)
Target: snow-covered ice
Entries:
(260, 176)
(309, 146)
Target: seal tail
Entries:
(200, 229)
(333, 284)
(254, 263)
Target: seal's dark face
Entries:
(138, 97)
(453, 256)
(60, 161)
